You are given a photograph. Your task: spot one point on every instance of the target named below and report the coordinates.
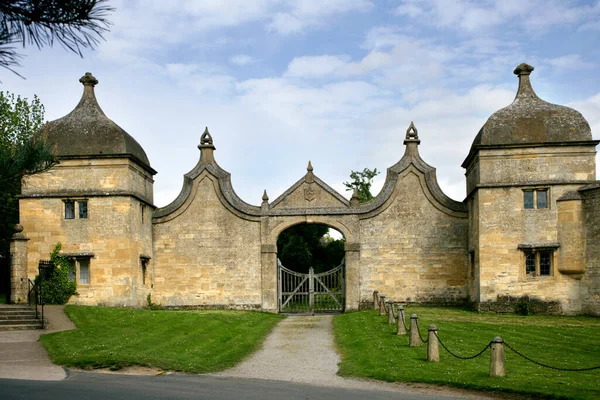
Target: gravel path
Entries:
(301, 349)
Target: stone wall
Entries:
(414, 249)
(591, 279)
(113, 236)
(205, 254)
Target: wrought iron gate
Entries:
(311, 293)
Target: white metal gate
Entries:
(311, 293)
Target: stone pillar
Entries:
(414, 339)
(375, 300)
(433, 350)
(352, 276)
(268, 257)
(497, 357)
(381, 304)
(401, 329)
(391, 318)
(18, 267)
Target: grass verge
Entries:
(370, 348)
(187, 341)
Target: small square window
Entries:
(84, 271)
(69, 209)
(542, 198)
(83, 209)
(530, 263)
(528, 199)
(545, 259)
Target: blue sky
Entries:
(336, 82)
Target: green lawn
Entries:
(188, 341)
(371, 349)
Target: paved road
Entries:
(91, 386)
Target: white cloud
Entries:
(305, 14)
(316, 66)
(568, 62)
(241, 59)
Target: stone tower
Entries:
(97, 202)
(523, 160)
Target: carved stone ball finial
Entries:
(88, 80)
(206, 139)
(523, 69)
(411, 132)
(18, 228)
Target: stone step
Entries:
(21, 327)
(14, 307)
(23, 315)
(19, 321)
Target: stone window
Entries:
(142, 211)
(538, 262)
(535, 198)
(82, 206)
(69, 209)
(79, 270)
(144, 269)
(82, 209)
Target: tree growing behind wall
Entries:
(362, 181)
(309, 245)
(58, 287)
(75, 24)
(23, 151)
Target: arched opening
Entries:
(310, 269)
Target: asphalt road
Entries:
(108, 386)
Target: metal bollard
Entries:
(381, 305)
(433, 350)
(414, 339)
(401, 329)
(391, 318)
(375, 299)
(497, 357)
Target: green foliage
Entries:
(188, 341)
(362, 181)
(370, 349)
(309, 245)
(57, 289)
(150, 304)
(23, 151)
(75, 24)
(523, 307)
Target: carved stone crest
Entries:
(309, 193)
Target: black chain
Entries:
(396, 316)
(407, 329)
(549, 366)
(456, 355)
(419, 332)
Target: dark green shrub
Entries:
(57, 289)
(523, 307)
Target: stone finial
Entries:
(265, 197)
(309, 178)
(525, 89)
(18, 228)
(523, 69)
(206, 139)
(411, 132)
(88, 80)
(206, 147)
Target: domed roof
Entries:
(531, 120)
(88, 132)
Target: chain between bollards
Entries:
(390, 312)
(382, 305)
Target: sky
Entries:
(336, 82)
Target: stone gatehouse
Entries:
(530, 224)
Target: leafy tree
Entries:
(362, 181)
(57, 288)
(309, 245)
(75, 24)
(23, 151)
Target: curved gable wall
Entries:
(213, 249)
